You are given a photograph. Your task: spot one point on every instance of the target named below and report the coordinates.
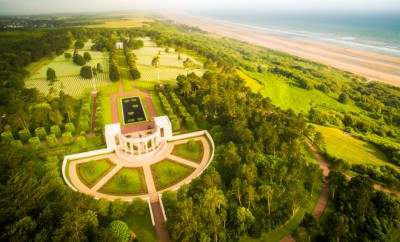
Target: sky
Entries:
(10, 7)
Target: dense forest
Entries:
(261, 175)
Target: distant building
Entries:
(119, 45)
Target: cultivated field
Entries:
(68, 76)
(353, 150)
(169, 66)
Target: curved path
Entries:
(144, 163)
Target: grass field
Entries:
(91, 172)
(195, 155)
(67, 73)
(250, 82)
(286, 94)
(291, 225)
(106, 108)
(169, 66)
(157, 104)
(353, 150)
(167, 173)
(123, 23)
(127, 181)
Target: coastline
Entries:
(371, 65)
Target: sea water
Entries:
(374, 32)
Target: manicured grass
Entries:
(353, 150)
(69, 80)
(141, 225)
(111, 88)
(167, 173)
(286, 94)
(91, 172)
(157, 104)
(169, 66)
(123, 23)
(196, 155)
(133, 184)
(106, 109)
(250, 82)
(291, 225)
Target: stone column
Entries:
(138, 145)
(153, 143)
(131, 143)
(147, 147)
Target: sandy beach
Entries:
(371, 65)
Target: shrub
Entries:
(7, 136)
(84, 125)
(175, 125)
(24, 135)
(41, 133)
(191, 145)
(120, 230)
(189, 123)
(67, 55)
(86, 109)
(86, 72)
(70, 127)
(51, 140)
(97, 140)
(98, 130)
(67, 138)
(84, 118)
(34, 143)
(55, 129)
(87, 56)
(17, 144)
(82, 142)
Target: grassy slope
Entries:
(157, 104)
(285, 93)
(354, 151)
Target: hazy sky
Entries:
(62, 6)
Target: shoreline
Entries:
(373, 66)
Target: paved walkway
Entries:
(145, 164)
(162, 233)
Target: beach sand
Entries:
(372, 66)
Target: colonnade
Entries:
(141, 146)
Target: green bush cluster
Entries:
(24, 135)
(67, 138)
(51, 140)
(188, 121)
(168, 110)
(41, 133)
(7, 136)
(55, 129)
(70, 127)
(34, 143)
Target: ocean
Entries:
(379, 33)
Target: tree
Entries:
(67, 55)
(267, 191)
(86, 72)
(79, 44)
(188, 64)
(244, 220)
(51, 75)
(79, 60)
(344, 98)
(120, 230)
(338, 226)
(118, 208)
(99, 68)
(87, 56)
(155, 62)
(75, 226)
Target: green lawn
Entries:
(141, 226)
(157, 104)
(106, 108)
(127, 181)
(167, 173)
(353, 150)
(291, 225)
(91, 172)
(195, 155)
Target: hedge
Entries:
(51, 140)
(7, 136)
(67, 138)
(55, 129)
(70, 127)
(41, 133)
(24, 135)
(34, 143)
